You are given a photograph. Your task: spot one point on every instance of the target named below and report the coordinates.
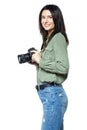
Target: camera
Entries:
(23, 58)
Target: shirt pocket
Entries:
(48, 54)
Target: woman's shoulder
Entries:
(58, 36)
(58, 40)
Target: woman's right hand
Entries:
(36, 57)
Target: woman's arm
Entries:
(61, 64)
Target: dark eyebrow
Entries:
(47, 15)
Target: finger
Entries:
(34, 51)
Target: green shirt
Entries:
(54, 64)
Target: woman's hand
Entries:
(36, 57)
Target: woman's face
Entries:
(47, 21)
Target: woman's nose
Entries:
(46, 19)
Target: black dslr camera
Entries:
(23, 58)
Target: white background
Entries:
(20, 107)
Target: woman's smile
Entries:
(47, 21)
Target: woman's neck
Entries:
(50, 32)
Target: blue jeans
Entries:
(55, 101)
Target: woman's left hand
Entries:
(36, 57)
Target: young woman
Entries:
(52, 67)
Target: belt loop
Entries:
(38, 86)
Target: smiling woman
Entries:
(47, 21)
(52, 67)
(18, 32)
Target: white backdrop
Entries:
(20, 107)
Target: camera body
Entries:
(23, 58)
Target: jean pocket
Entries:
(63, 100)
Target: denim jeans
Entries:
(55, 101)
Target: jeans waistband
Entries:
(43, 85)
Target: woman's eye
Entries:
(50, 17)
(42, 17)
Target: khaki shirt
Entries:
(54, 64)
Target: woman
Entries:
(52, 67)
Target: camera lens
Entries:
(23, 58)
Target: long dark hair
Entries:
(58, 22)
